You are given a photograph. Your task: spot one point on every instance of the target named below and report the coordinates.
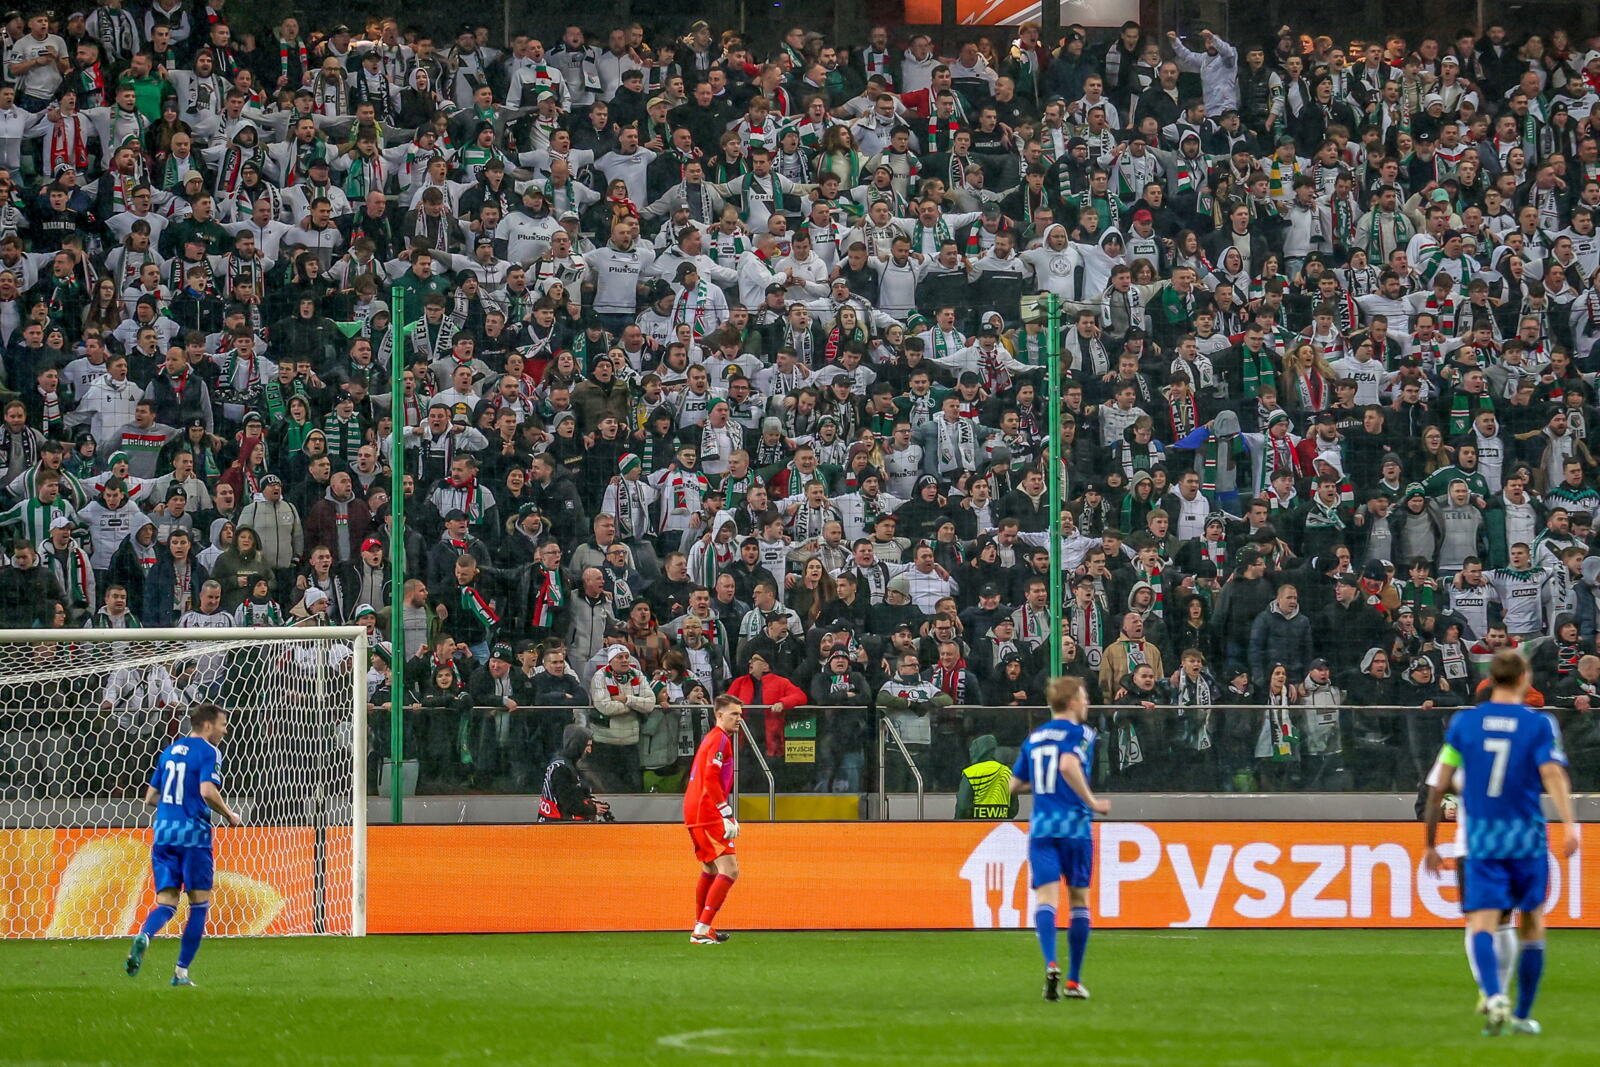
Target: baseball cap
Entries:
(371, 543)
(455, 515)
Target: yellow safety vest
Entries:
(991, 792)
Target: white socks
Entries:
(1505, 954)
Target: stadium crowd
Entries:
(723, 373)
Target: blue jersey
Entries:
(1057, 810)
(182, 818)
(1499, 749)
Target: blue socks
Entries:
(1481, 947)
(1077, 941)
(159, 916)
(1044, 919)
(1530, 967)
(193, 931)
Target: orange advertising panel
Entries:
(440, 879)
(96, 883)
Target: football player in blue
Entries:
(1055, 763)
(184, 790)
(1507, 755)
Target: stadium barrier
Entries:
(948, 876)
(847, 750)
(96, 882)
(509, 879)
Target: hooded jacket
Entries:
(132, 563)
(565, 797)
(1366, 690)
(1554, 659)
(156, 607)
(989, 774)
(278, 526)
(705, 557)
(1322, 724)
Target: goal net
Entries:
(83, 716)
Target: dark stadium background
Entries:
(765, 20)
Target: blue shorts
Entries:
(174, 867)
(1051, 858)
(1505, 885)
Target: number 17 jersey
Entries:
(1499, 749)
(1057, 810)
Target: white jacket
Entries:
(616, 721)
(108, 406)
(1219, 74)
(108, 529)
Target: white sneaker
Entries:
(1526, 1026)
(1075, 991)
(1498, 1014)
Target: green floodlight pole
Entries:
(397, 551)
(1052, 363)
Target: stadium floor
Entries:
(1183, 997)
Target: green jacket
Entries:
(1494, 531)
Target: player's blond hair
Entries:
(1061, 692)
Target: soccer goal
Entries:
(83, 715)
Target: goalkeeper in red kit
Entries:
(709, 819)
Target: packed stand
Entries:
(723, 372)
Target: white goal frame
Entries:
(360, 644)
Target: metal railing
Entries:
(887, 729)
(766, 769)
(844, 748)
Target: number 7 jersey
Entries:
(1499, 749)
(1057, 810)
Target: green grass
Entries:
(1239, 998)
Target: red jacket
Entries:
(771, 689)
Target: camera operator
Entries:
(565, 797)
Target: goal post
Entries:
(83, 715)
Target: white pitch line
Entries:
(697, 1041)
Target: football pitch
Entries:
(1180, 997)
